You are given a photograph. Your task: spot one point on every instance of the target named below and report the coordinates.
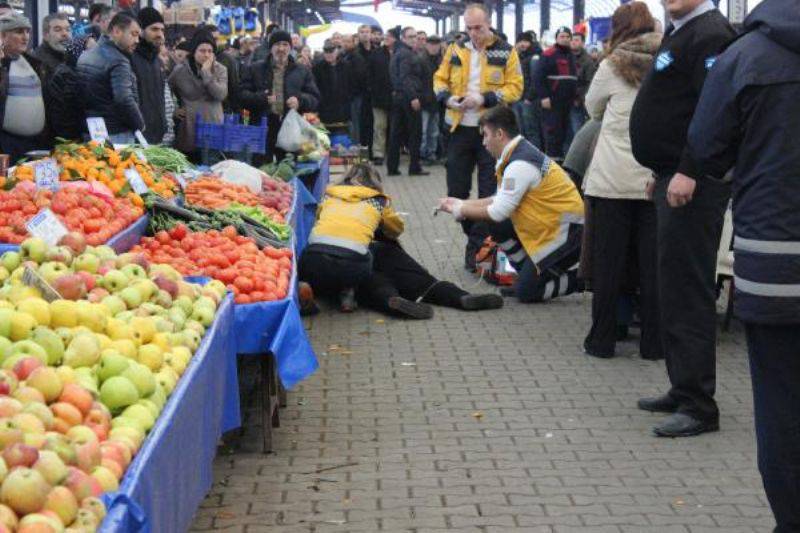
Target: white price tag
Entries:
(140, 156)
(140, 138)
(31, 278)
(46, 174)
(97, 129)
(181, 180)
(137, 183)
(47, 227)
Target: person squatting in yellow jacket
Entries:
(536, 217)
(474, 76)
(337, 258)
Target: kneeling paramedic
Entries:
(536, 217)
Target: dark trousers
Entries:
(331, 269)
(555, 275)
(556, 121)
(16, 147)
(464, 151)
(274, 126)
(688, 239)
(367, 123)
(622, 229)
(775, 369)
(406, 128)
(395, 273)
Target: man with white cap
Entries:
(22, 110)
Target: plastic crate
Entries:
(231, 136)
(341, 139)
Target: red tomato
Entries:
(243, 283)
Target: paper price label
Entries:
(97, 129)
(140, 138)
(137, 183)
(181, 180)
(47, 227)
(31, 278)
(46, 174)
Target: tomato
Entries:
(243, 283)
(243, 299)
(162, 237)
(178, 232)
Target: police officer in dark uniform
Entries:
(408, 77)
(750, 101)
(688, 235)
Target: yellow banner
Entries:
(305, 32)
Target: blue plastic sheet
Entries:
(303, 215)
(322, 175)
(172, 473)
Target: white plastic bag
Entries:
(293, 130)
(239, 173)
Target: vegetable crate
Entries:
(231, 136)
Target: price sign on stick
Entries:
(137, 183)
(31, 278)
(47, 227)
(97, 129)
(46, 174)
(140, 138)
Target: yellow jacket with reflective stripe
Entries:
(349, 216)
(501, 76)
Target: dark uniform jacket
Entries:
(748, 117)
(150, 84)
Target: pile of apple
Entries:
(83, 378)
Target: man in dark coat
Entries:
(586, 67)
(150, 74)
(57, 35)
(230, 104)
(408, 81)
(750, 102)
(527, 108)
(431, 108)
(275, 86)
(357, 72)
(108, 83)
(556, 79)
(330, 75)
(688, 237)
(380, 88)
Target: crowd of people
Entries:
(609, 173)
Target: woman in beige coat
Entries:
(623, 218)
(201, 85)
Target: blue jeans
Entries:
(529, 116)
(577, 118)
(355, 119)
(430, 134)
(775, 370)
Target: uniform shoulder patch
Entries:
(710, 62)
(664, 60)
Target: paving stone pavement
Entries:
(486, 422)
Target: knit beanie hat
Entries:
(148, 16)
(279, 36)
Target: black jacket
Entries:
(408, 73)
(150, 84)
(298, 82)
(431, 64)
(65, 103)
(586, 70)
(109, 87)
(668, 96)
(380, 82)
(332, 81)
(231, 105)
(50, 57)
(556, 76)
(357, 70)
(747, 118)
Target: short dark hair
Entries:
(579, 34)
(406, 29)
(50, 18)
(98, 10)
(376, 29)
(122, 21)
(501, 118)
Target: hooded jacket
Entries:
(350, 215)
(613, 172)
(747, 118)
(150, 84)
(109, 87)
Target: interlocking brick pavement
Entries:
(488, 422)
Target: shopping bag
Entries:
(294, 132)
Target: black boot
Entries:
(480, 302)
(409, 309)
(347, 301)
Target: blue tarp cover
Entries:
(172, 473)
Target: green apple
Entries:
(83, 350)
(158, 397)
(151, 356)
(203, 314)
(112, 363)
(66, 335)
(5, 322)
(185, 303)
(86, 262)
(51, 271)
(5, 348)
(178, 317)
(114, 304)
(151, 406)
(105, 252)
(30, 349)
(33, 249)
(117, 392)
(164, 326)
(134, 271)
(51, 342)
(140, 413)
(87, 378)
(11, 260)
(192, 339)
(131, 296)
(167, 378)
(176, 363)
(194, 325)
(145, 286)
(142, 377)
(162, 298)
(115, 281)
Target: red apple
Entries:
(89, 280)
(70, 286)
(63, 503)
(166, 284)
(75, 241)
(116, 451)
(9, 406)
(82, 484)
(76, 395)
(8, 517)
(8, 382)
(9, 433)
(67, 413)
(24, 490)
(88, 454)
(19, 454)
(26, 366)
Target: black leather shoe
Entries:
(378, 161)
(508, 291)
(683, 425)
(597, 353)
(409, 309)
(393, 173)
(418, 173)
(480, 302)
(658, 404)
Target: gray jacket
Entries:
(109, 87)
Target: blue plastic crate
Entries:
(231, 136)
(341, 138)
